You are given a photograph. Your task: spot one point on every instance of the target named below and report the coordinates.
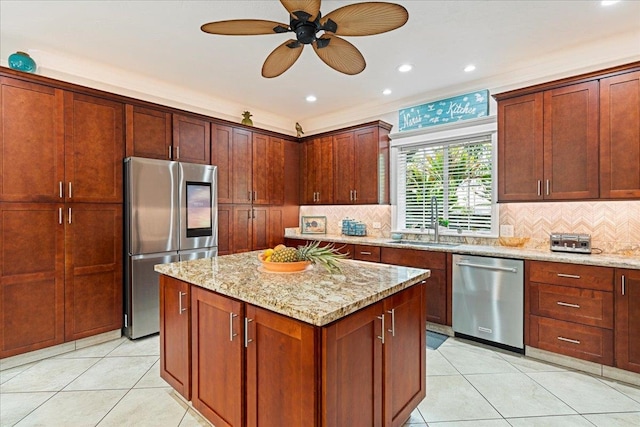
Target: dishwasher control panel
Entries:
(568, 242)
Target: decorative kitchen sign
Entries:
(463, 107)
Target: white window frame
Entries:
(439, 135)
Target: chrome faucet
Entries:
(434, 219)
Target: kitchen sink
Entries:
(426, 244)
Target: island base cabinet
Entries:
(217, 357)
(627, 329)
(175, 339)
(281, 370)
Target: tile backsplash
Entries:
(614, 226)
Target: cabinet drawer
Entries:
(366, 253)
(571, 339)
(414, 258)
(575, 275)
(584, 306)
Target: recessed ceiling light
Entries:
(405, 68)
(386, 92)
(469, 68)
(311, 98)
(608, 2)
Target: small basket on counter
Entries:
(351, 227)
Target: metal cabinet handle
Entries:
(180, 308)
(539, 188)
(365, 253)
(355, 195)
(249, 195)
(351, 195)
(488, 267)
(381, 337)
(547, 187)
(231, 334)
(170, 150)
(69, 215)
(318, 199)
(246, 332)
(178, 152)
(569, 340)
(255, 196)
(624, 285)
(69, 189)
(392, 312)
(60, 217)
(253, 213)
(61, 189)
(566, 304)
(568, 276)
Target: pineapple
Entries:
(285, 255)
(327, 256)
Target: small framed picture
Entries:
(313, 225)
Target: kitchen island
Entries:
(255, 348)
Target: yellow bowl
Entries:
(283, 267)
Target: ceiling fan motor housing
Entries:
(305, 30)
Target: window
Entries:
(450, 182)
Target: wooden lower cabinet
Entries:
(627, 297)
(175, 334)
(253, 367)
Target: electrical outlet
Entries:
(377, 225)
(506, 230)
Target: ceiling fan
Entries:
(310, 27)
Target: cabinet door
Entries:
(404, 354)
(94, 149)
(175, 334)
(191, 140)
(571, 142)
(148, 133)
(520, 148)
(225, 230)
(242, 228)
(436, 296)
(620, 136)
(352, 370)
(275, 182)
(218, 358)
(259, 163)
(32, 139)
(93, 269)
(241, 166)
(343, 173)
(366, 169)
(309, 171)
(260, 228)
(221, 156)
(280, 351)
(627, 325)
(293, 177)
(31, 277)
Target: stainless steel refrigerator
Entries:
(170, 215)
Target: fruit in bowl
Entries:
(287, 259)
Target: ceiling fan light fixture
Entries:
(405, 68)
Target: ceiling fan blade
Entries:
(244, 27)
(339, 54)
(312, 7)
(365, 19)
(282, 58)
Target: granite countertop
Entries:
(605, 260)
(313, 296)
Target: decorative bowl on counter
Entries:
(283, 267)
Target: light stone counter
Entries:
(605, 260)
(313, 296)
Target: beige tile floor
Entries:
(118, 384)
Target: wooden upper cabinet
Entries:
(520, 150)
(31, 142)
(31, 277)
(259, 162)
(93, 269)
(344, 168)
(620, 136)
(94, 149)
(292, 174)
(316, 169)
(571, 142)
(241, 166)
(276, 171)
(148, 133)
(191, 139)
(221, 157)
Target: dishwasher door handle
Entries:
(488, 267)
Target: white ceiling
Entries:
(161, 42)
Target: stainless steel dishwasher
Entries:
(488, 299)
